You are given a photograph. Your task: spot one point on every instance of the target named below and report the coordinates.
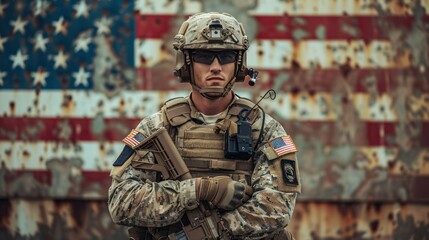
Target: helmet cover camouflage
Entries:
(214, 31)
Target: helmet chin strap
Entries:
(218, 92)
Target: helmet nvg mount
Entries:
(210, 31)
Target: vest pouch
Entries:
(239, 145)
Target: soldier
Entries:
(242, 161)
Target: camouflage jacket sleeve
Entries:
(136, 199)
(270, 208)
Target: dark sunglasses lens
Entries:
(207, 57)
(227, 57)
(203, 57)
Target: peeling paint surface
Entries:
(352, 86)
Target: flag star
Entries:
(39, 77)
(18, 59)
(40, 8)
(40, 42)
(81, 77)
(2, 41)
(2, 7)
(18, 25)
(60, 26)
(2, 75)
(81, 9)
(103, 25)
(60, 60)
(82, 44)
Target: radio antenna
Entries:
(268, 94)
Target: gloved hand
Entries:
(223, 192)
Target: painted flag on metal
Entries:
(75, 77)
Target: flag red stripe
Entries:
(365, 133)
(286, 27)
(386, 80)
(46, 129)
(45, 176)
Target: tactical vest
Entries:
(201, 147)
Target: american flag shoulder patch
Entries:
(134, 138)
(283, 145)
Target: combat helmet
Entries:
(210, 31)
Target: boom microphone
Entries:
(253, 76)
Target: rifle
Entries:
(199, 223)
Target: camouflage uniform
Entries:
(138, 197)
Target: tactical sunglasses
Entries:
(207, 57)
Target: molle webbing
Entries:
(201, 143)
(202, 150)
(209, 165)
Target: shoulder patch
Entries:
(289, 172)
(125, 154)
(283, 145)
(134, 138)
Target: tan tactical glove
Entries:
(223, 192)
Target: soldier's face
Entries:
(213, 69)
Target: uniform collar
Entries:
(195, 114)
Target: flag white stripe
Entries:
(321, 106)
(50, 103)
(88, 155)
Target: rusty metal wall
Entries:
(352, 86)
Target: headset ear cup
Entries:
(182, 70)
(241, 74)
(242, 69)
(184, 74)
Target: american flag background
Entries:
(352, 86)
